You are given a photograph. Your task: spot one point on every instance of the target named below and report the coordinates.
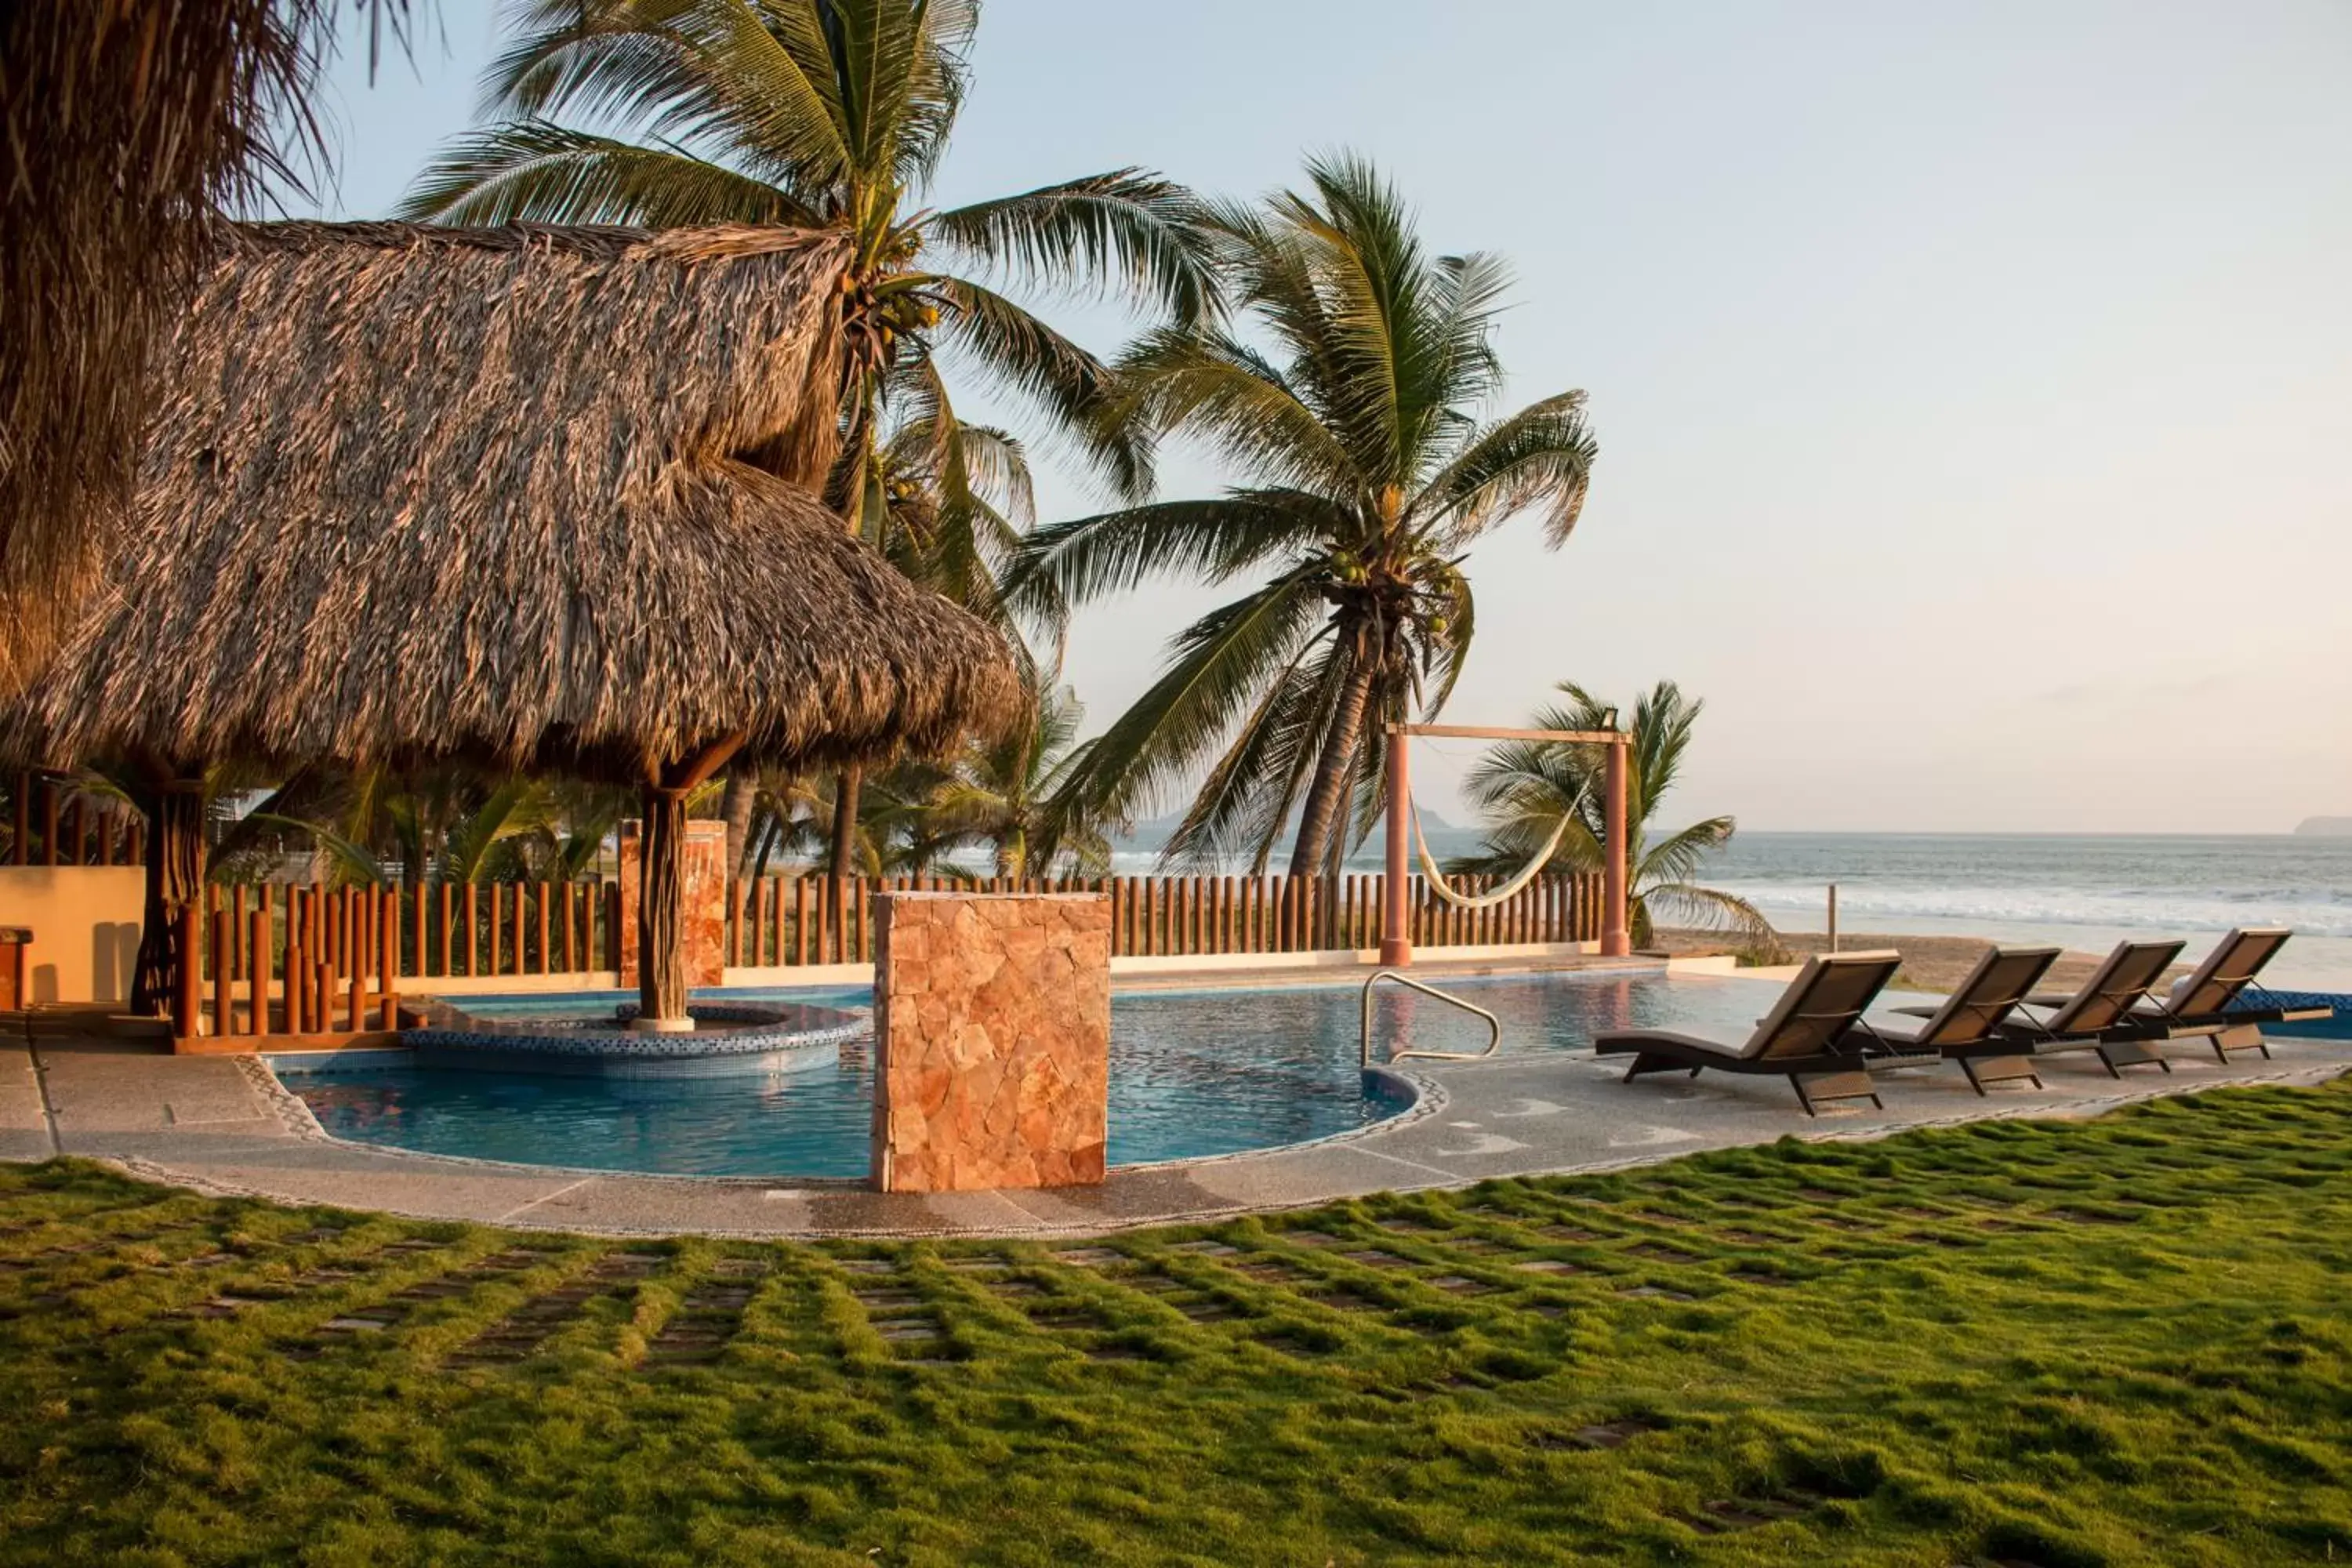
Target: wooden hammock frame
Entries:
(1396, 939)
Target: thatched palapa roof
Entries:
(525, 494)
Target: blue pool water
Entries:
(1192, 1073)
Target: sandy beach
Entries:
(1929, 963)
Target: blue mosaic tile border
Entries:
(747, 1030)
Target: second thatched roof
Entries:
(536, 496)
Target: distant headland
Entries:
(2324, 827)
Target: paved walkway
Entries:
(222, 1124)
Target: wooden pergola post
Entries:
(1396, 931)
(1396, 919)
(1615, 942)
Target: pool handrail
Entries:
(1364, 1034)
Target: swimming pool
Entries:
(1193, 1073)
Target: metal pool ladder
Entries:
(1364, 1036)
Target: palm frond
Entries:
(1678, 857)
(1128, 227)
(1541, 456)
(539, 171)
(1085, 558)
(1221, 663)
(1027, 357)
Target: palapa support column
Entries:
(1396, 917)
(166, 982)
(661, 888)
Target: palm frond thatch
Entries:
(534, 495)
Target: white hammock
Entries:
(1511, 889)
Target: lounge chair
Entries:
(1965, 1027)
(2099, 1016)
(2213, 1003)
(1808, 1037)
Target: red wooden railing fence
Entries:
(791, 920)
(282, 959)
(50, 824)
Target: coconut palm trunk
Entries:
(1333, 771)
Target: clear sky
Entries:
(1973, 380)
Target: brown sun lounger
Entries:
(2102, 1015)
(1965, 1027)
(1809, 1038)
(2213, 1004)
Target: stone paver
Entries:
(24, 1124)
(221, 1124)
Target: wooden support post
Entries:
(298, 969)
(473, 915)
(78, 833)
(224, 956)
(546, 951)
(570, 923)
(1616, 941)
(188, 1006)
(257, 974)
(388, 960)
(661, 904)
(800, 923)
(1396, 929)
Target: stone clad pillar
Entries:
(991, 1041)
(702, 922)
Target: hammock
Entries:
(1438, 885)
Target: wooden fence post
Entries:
(223, 955)
(257, 974)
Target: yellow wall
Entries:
(85, 924)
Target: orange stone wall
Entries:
(991, 1040)
(704, 922)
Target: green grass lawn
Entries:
(2118, 1342)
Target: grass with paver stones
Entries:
(2118, 1342)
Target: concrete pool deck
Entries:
(223, 1125)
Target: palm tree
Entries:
(1370, 473)
(1524, 787)
(833, 115)
(1008, 792)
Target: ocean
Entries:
(2084, 892)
